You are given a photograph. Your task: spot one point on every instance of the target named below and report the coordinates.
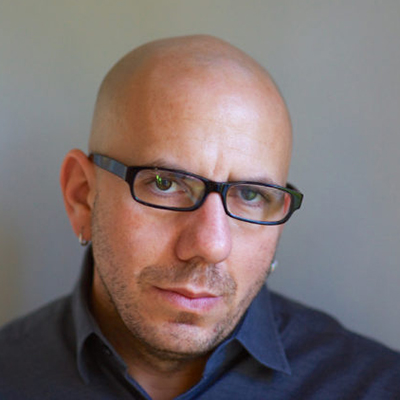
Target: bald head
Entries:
(143, 77)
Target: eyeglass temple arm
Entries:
(110, 165)
(298, 199)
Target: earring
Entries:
(83, 242)
(273, 266)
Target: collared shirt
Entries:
(280, 350)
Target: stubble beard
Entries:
(148, 340)
(152, 342)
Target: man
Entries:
(183, 197)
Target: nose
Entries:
(206, 233)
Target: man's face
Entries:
(180, 281)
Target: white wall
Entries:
(337, 63)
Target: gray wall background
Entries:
(337, 63)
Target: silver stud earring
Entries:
(273, 266)
(83, 242)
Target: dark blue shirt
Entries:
(280, 350)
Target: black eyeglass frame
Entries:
(128, 174)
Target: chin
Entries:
(180, 340)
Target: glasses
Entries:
(174, 190)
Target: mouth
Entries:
(185, 299)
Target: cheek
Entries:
(136, 235)
(252, 257)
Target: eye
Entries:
(248, 194)
(163, 183)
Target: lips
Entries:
(188, 299)
(190, 294)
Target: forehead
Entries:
(218, 122)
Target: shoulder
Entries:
(319, 347)
(294, 318)
(41, 323)
(33, 348)
(298, 323)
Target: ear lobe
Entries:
(78, 187)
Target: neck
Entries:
(161, 378)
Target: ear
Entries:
(77, 181)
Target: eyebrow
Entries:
(162, 163)
(261, 179)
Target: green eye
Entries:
(248, 194)
(163, 184)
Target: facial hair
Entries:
(127, 303)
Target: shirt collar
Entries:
(257, 332)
